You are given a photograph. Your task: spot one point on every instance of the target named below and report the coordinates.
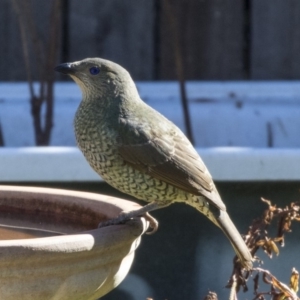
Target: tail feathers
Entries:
(242, 251)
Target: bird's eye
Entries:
(94, 70)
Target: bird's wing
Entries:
(167, 155)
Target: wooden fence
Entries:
(216, 39)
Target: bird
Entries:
(140, 152)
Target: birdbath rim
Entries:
(83, 264)
(112, 206)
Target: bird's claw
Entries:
(153, 223)
(124, 217)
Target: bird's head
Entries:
(99, 78)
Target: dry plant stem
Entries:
(232, 295)
(258, 237)
(179, 62)
(284, 291)
(211, 296)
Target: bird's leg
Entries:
(144, 211)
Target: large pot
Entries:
(82, 263)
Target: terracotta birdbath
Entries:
(51, 248)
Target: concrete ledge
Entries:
(56, 164)
(252, 164)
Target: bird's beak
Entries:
(66, 68)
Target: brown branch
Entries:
(1, 137)
(179, 62)
(53, 43)
(22, 26)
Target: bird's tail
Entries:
(242, 251)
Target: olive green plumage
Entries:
(137, 150)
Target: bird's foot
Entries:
(126, 216)
(153, 223)
(142, 212)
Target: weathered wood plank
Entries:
(211, 36)
(118, 30)
(11, 52)
(275, 39)
(11, 60)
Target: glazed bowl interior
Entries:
(41, 212)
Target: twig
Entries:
(179, 62)
(258, 237)
(283, 290)
(1, 137)
(232, 295)
(51, 57)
